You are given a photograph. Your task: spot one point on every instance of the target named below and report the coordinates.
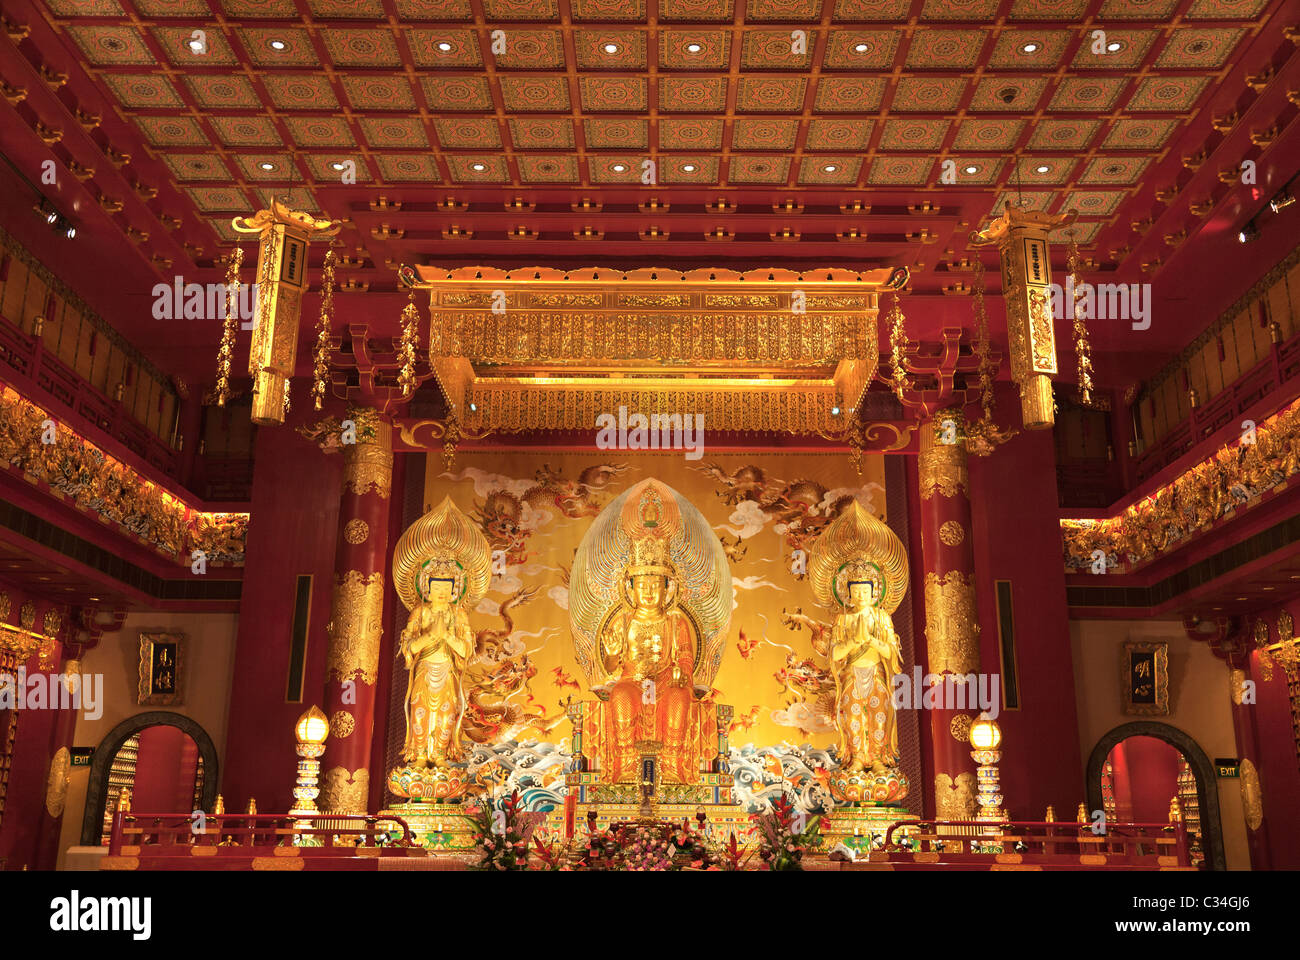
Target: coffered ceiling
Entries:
(814, 132)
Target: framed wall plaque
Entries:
(161, 655)
(1144, 678)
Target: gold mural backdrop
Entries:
(534, 508)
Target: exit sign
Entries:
(1227, 767)
(81, 756)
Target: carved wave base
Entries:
(858, 826)
(437, 824)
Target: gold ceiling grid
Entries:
(712, 90)
(545, 349)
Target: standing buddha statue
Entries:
(859, 567)
(441, 564)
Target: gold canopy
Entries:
(856, 538)
(632, 532)
(457, 548)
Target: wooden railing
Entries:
(974, 843)
(1277, 372)
(27, 357)
(322, 834)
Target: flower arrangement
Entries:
(647, 846)
(785, 835)
(498, 835)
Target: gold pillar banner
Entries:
(356, 627)
(951, 623)
(942, 466)
(368, 463)
(1021, 239)
(344, 792)
(284, 235)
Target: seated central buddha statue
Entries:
(649, 605)
(647, 651)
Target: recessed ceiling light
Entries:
(278, 44)
(693, 48)
(445, 47)
(479, 167)
(196, 46)
(829, 168)
(861, 47)
(71, 232)
(1029, 48)
(610, 48)
(267, 165)
(1041, 168)
(338, 165)
(1113, 46)
(688, 167)
(619, 167)
(971, 168)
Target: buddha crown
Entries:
(649, 555)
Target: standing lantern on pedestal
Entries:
(311, 731)
(1021, 239)
(284, 235)
(986, 737)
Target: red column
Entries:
(61, 735)
(356, 613)
(1246, 730)
(951, 614)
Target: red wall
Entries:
(164, 770)
(1017, 537)
(294, 522)
(1150, 779)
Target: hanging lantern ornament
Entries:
(281, 282)
(410, 344)
(321, 359)
(227, 350)
(1021, 239)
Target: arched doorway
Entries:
(172, 757)
(1142, 767)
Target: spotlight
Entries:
(688, 167)
(278, 44)
(1029, 48)
(1113, 46)
(972, 168)
(338, 165)
(861, 48)
(196, 46)
(267, 165)
(829, 168)
(445, 47)
(1041, 168)
(693, 48)
(71, 232)
(611, 48)
(619, 167)
(477, 167)
(51, 217)
(1247, 233)
(1281, 202)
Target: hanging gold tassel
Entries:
(1080, 326)
(227, 349)
(321, 367)
(897, 340)
(410, 344)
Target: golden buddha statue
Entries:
(859, 566)
(441, 564)
(650, 599)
